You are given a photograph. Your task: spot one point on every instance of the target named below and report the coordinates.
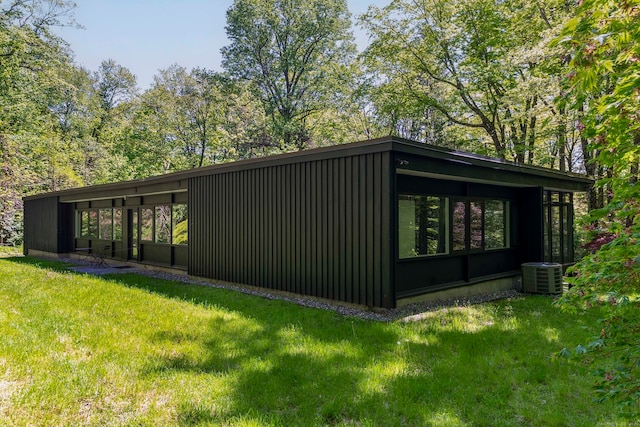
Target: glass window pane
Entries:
(84, 223)
(434, 222)
(146, 224)
(106, 224)
(558, 237)
(555, 234)
(422, 225)
(134, 234)
(475, 218)
(459, 227)
(407, 228)
(163, 221)
(495, 225)
(567, 244)
(93, 224)
(117, 224)
(180, 225)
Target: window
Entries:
(422, 225)
(179, 225)
(558, 227)
(163, 224)
(134, 234)
(476, 223)
(459, 226)
(117, 224)
(494, 223)
(83, 229)
(146, 224)
(425, 227)
(93, 224)
(158, 224)
(106, 224)
(487, 225)
(87, 225)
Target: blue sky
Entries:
(148, 35)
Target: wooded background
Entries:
(544, 82)
(474, 75)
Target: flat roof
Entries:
(447, 163)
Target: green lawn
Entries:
(132, 350)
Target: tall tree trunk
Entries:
(590, 167)
(532, 139)
(562, 139)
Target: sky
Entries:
(148, 35)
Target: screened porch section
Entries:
(153, 230)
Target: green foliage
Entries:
(136, 350)
(471, 74)
(604, 40)
(177, 121)
(32, 62)
(295, 53)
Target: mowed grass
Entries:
(132, 350)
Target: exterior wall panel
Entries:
(317, 228)
(46, 225)
(419, 275)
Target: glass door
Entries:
(133, 236)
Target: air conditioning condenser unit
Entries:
(542, 278)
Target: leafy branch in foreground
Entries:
(618, 341)
(604, 40)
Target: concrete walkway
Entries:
(102, 270)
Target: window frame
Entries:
(444, 204)
(174, 207)
(143, 227)
(450, 203)
(88, 223)
(154, 223)
(482, 201)
(167, 228)
(91, 215)
(563, 238)
(101, 223)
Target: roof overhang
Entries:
(412, 158)
(434, 162)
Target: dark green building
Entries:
(369, 223)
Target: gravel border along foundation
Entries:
(410, 312)
(406, 313)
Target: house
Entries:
(372, 223)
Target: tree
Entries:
(26, 40)
(113, 87)
(294, 53)
(244, 131)
(604, 42)
(473, 63)
(113, 97)
(181, 114)
(32, 59)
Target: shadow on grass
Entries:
(290, 365)
(295, 363)
(49, 264)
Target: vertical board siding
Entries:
(320, 228)
(48, 225)
(41, 228)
